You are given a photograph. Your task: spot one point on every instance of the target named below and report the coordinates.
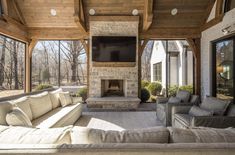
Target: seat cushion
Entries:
(216, 105)
(55, 98)
(197, 111)
(184, 118)
(24, 135)
(5, 107)
(174, 100)
(183, 95)
(24, 104)
(18, 118)
(81, 135)
(40, 104)
(59, 117)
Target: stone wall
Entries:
(128, 74)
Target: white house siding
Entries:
(209, 35)
(174, 74)
(159, 55)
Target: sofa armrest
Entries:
(213, 121)
(180, 109)
(162, 100)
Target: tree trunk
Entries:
(2, 65)
(15, 62)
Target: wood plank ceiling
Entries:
(41, 24)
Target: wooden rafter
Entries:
(142, 46)
(148, 14)
(32, 44)
(79, 16)
(4, 7)
(208, 11)
(219, 8)
(18, 11)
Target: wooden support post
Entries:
(28, 58)
(148, 14)
(195, 46)
(141, 48)
(87, 47)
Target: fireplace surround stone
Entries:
(125, 74)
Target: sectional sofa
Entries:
(81, 140)
(42, 110)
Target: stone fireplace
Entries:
(112, 88)
(113, 85)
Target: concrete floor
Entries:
(119, 120)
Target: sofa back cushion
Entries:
(18, 118)
(216, 105)
(24, 104)
(81, 135)
(183, 95)
(65, 99)
(55, 98)
(24, 135)
(231, 110)
(197, 111)
(40, 104)
(174, 100)
(202, 135)
(5, 107)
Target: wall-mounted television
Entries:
(113, 49)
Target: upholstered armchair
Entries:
(164, 105)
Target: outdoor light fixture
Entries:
(229, 29)
(174, 11)
(92, 12)
(53, 12)
(135, 12)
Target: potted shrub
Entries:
(144, 95)
(83, 93)
(155, 88)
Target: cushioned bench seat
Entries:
(61, 116)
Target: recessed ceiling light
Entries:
(174, 11)
(92, 12)
(53, 12)
(135, 12)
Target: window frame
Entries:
(155, 78)
(227, 6)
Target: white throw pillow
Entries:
(65, 99)
(55, 98)
(18, 118)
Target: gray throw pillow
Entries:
(174, 100)
(216, 105)
(197, 111)
(183, 95)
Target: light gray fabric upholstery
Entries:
(216, 105)
(5, 107)
(183, 95)
(197, 111)
(231, 110)
(185, 119)
(174, 100)
(195, 100)
(96, 136)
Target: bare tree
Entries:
(146, 57)
(15, 63)
(2, 65)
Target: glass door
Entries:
(223, 68)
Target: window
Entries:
(157, 71)
(12, 66)
(1, 10)
(58, 63)
(223, 68)
(229, 5)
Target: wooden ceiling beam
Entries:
(56, 34)
(4, 7)
(79, 16)
(148, 14)
(208, 11)
(219, 8)
(171, 33)
(18, 12)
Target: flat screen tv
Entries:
(113, 49)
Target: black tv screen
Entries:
(113, 49)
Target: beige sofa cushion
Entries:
(24, 135)
(40, 104)
(55, 98)
(59, 117)
(65, 99)
(5, 107)
(81, 135)
(24, 104)
(18, 118)
(202, 135)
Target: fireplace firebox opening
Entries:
(112, 88)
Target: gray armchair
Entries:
(164, 108)
(182, 119)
